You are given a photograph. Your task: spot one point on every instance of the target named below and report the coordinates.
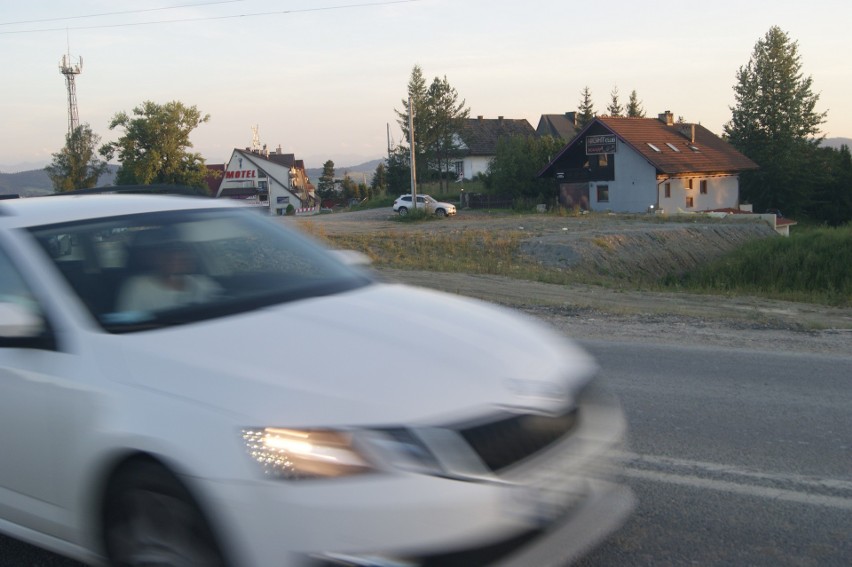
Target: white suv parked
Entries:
(187, 382)
(439, 208)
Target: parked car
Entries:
(185, 381)
(402, 204)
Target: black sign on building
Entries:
(600, 144)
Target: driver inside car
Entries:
(172, 281)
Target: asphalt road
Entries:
(737, 457)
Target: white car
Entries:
(402, 205)
(264, 404)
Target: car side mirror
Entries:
(351, 257)
(22, 328)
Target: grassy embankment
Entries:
(813, 265)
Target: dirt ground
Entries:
(626, 244)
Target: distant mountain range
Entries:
(36, 182)
(357, 172)
(837, 142)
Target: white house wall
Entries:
(474, 165)
(634, 188)
(722, 193)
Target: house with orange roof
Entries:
(641, 164)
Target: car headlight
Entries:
(295, 454)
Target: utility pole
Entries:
(411, 147)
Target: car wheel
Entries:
(151, 519)
(402, 211)
(441, 213)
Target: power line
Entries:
(210, 18)
(125, 12)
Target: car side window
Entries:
(13, 288)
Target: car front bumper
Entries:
(549, 510)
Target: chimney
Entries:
(479, 118)
(500, 119)
(572, 118)
(688, 132)
(667, 118)
(278, 149)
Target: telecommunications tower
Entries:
(68, 68)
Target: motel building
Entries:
(270, 180)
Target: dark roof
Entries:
(287, 160)
(480, 135)
(672, 148)
(558, 125)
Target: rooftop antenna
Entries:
(255, 138)
(68, 68)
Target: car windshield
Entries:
(145, 271)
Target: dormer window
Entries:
(653, 147)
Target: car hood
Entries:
(382, 354)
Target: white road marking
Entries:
(691, 474)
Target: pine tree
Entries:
(447, 116)
(586, 112)
(325, 187)
(418, 95)
(774, 122)
(614, 108)
(634, 106)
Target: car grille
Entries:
(504, 442)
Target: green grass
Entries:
(812, 265)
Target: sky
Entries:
(322, 78)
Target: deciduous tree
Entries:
(774, 122)
(446, 118)
(517, 162)
(76, 166)
(398, 172)
(379, 182)
(155, 145)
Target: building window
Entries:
(668, 187)
(690, 202)
(673, 147)
(653, 147)
(703, 186)
(603, 193)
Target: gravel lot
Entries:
(627, 243)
